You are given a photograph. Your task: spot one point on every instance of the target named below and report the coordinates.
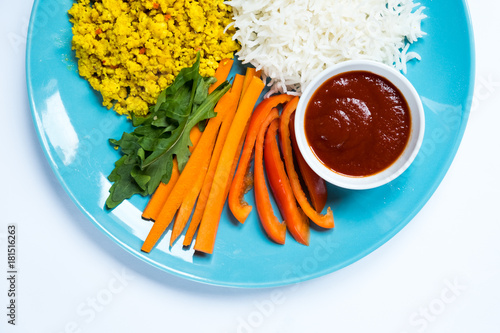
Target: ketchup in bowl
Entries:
(357, 123)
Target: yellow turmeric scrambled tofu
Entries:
(132, 50)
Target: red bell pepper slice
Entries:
(239, 185)
(296, 221)
(274, 229)
(316, 186)
(322, 220)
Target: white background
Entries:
(441, 273)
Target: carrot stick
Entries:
(221, 73)
(193, 227)
(161, 194)
(186, 208)
(198, 162)
(194, 136)
(192, 230)
(326, 220)
(217, 197)
(250, 72)
(235, 93)
(237, 86)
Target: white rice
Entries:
(291, 41)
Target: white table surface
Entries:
(441, 273)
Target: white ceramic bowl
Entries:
(411, 149)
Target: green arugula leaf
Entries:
(124, 184)
(149, 150)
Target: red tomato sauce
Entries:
(357, 123)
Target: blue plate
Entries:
(73, 129)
